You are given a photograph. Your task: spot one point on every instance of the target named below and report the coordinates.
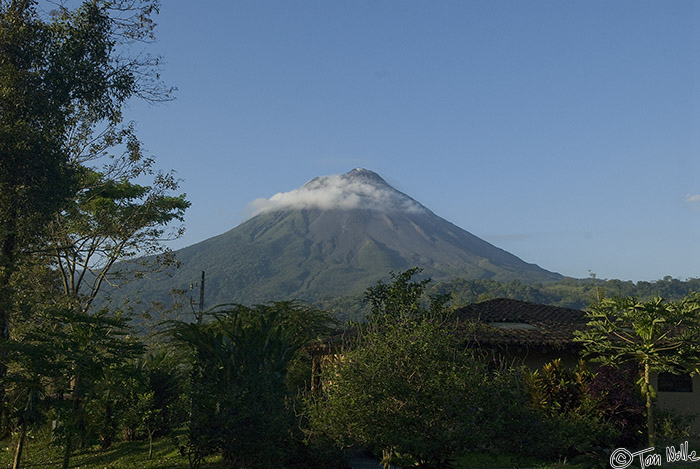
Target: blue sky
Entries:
(566, 132)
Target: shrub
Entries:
(403, 390)
(586, 411)
(615, 396)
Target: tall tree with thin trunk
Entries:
(64, 77)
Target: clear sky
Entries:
(566, 132)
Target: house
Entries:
(536, 334)
(679, 394)
(532, 333)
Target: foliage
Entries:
(568, 292)
(105, 413)
(398, 299)
(71, 357)
(578, 417)
(61, 76)
(673, 427)
(111, 219)
(556, 389)
(237, 382)
(25, 393)
(402, 389)
(37, 60)
(64, 78)
(150, 398)
(158, 406)
(54, 73)
(247, 368)
(302, 321)
(657, 335)
(613, 390)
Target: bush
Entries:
(403, 390)
(585, 411)
(615, 396)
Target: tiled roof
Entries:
(505, 321)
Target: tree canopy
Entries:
(658, 335)
(74, 196)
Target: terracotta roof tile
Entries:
(505, 321)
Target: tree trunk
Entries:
(650, 412)
(7, 268)
(108, 432)
(20, 445)
(150, 443)
(67, 449)
(70, 426)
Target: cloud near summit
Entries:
(339, 192)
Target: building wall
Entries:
(532, 357)
(680, 402)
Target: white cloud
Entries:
(339, 192)
(692, 198)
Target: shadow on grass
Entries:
(40, 452)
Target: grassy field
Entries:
(40, 453)
(480, 460)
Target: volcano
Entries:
(334, 236)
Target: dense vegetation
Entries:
(405, 388)
(568, 292)
(79, 383)
(408, 388)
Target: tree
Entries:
(68, 357)
(302, 322)
(110, 220)
(574, 408)
(62, 77)
(151, 397)
(657, 335)
(68, 203)
(400, 298)
(404, 390)
(237, 381)
(160, 403)
(402, 386)
(25, 390)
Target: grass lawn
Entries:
(485, 460)
(39, 452)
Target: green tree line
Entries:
(567, 293)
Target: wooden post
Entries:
(201, 300)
